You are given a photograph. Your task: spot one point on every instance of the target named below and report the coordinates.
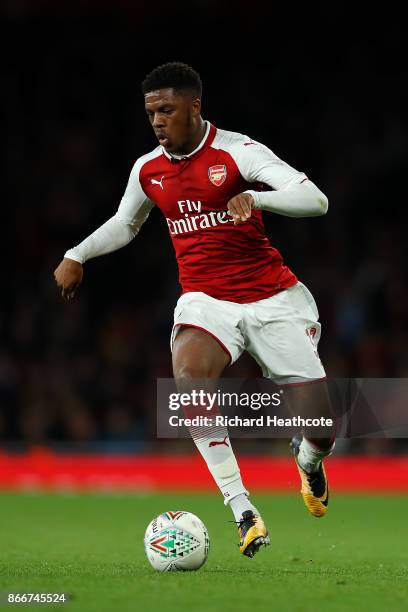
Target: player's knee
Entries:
(186, 373)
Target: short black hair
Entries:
(175, 75)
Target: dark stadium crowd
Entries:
(84, 372)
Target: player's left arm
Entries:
(294, 194)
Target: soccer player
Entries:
(237, 293)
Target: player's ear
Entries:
(196, 107)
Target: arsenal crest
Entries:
(217, 174)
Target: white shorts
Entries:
(281, 332)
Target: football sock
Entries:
(239, 504)
(310, 457)
(215, 448)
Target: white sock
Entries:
(310, 456)
(215, 448)
(240, 504)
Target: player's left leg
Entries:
(311, 400)
(283, 335)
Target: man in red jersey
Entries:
(237, 293)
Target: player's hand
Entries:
(68, 276)
(240, 207)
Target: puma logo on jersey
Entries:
(246, 144)
(154, 182)
(219, 443)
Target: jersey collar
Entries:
(205, 142)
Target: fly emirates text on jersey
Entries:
(192, 222)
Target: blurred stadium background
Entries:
(325, 91)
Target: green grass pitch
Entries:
(91, 546)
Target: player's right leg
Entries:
(198, 357)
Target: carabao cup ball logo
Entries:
(176, 541)
(217, 174)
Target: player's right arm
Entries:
(118, 231)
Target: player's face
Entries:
(174, 118)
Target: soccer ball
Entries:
(176, 541)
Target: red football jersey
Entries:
(226, 261)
